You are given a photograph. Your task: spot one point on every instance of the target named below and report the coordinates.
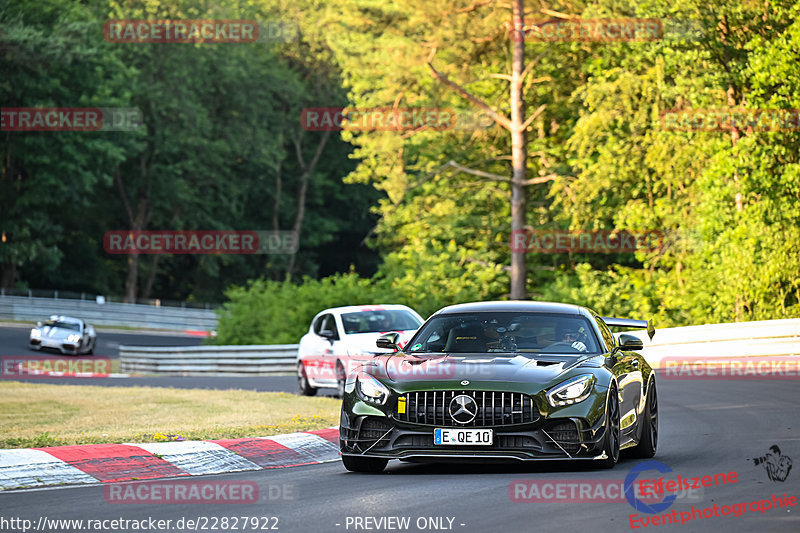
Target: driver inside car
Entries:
(572, 337)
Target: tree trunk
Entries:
(301, 192)
(138, 221)
(151, 276)
(130, 280)
(732, 94)
(518, 151)
(8, 272)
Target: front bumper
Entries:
(548, 439)
(54, 344)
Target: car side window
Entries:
(329, 322)
(607, 336)
(317, 327)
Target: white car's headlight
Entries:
(571, 391)
(371, 390)
(36, 333)
(73, 338)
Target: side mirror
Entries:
(388, 341)
(328, 334)
(630, 342)
(38, 324)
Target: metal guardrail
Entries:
(253, 360)
(774, 338)
(744, 339)
(72, 295)
(108, 313)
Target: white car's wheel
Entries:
(302, 382)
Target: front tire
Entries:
(364, 464)
(611, 439)
(649, 441)
(302, 382)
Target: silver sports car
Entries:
(70, 336)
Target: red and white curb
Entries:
(109, 463)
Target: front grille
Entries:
(503, 442)
(373, 432)
(517, 441)
(566, 435)
(494, 408)
(373, 429)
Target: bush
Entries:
(280, 312)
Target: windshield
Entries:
(64, 325)
(379, 321)
(505, 332)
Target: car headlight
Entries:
(371, 390)
(36, 333)
(571, 391)
(73, 338)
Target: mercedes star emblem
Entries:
(465, 382)
(463, 409)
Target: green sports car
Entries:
(514, 380)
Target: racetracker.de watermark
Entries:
(382, 119)
(587, 491)
(723, 120)
(591, 30)
(579, 241)
(777, 367)
(70, 119)
(48, 366)
(399, 368)
(141, 31)
(198, 492)
(200, 242)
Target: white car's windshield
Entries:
(493, 332)
(379, 321)
(64, 325)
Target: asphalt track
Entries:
(707, 428)
(14, 342)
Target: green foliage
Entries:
(275, 312)
(219, 152)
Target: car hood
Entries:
(57, 333)
(521, 368)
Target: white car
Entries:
(342, 337)
(70, 336)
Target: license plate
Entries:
(462, 437)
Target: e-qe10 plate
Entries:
(463, 437)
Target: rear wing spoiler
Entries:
(630, 323)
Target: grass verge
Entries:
(37, 415)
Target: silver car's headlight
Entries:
(36, 333)
(371, 390)
(73, 338)
(571, 391)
